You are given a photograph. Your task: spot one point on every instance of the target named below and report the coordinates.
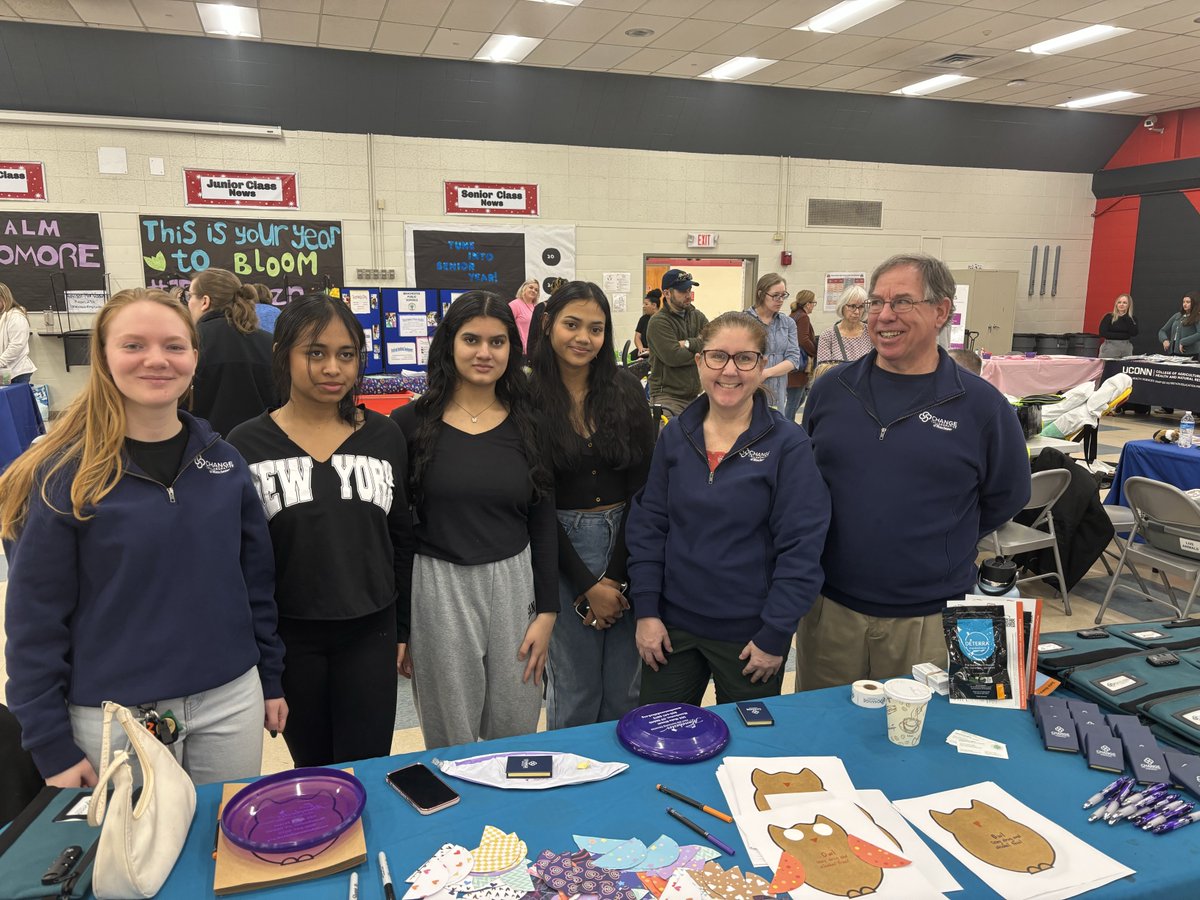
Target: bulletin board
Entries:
(488, 257)
(36, 246)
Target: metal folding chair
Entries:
(1168, 521)
(1012, 538)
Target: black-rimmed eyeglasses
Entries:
(782, 295)
(744, 361)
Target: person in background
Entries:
(331, 478)
(797, 381)
(267, 311)
(14, 338)
(725, 539)
(598, 433)
(1181, 334)
(1118, 328)
(673, 335)
(485, 575)
(522, 309)
(968, 359)
(847, 339)
(140, 567)
(651, 304)
(784, 355)
(922, 458)
(233, 380)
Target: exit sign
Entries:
(702, 238)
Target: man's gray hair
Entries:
(935, 275)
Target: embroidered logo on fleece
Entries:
(940, 424)
(754, 456)
(214, 468)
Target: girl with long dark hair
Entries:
(598, 433)
(331, 477)
(484, 597)
(1181, 333)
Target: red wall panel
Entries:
(1180, 140)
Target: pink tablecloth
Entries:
(1021, 377)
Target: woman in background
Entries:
(14, 338)
(484, 589)
(1181, 334)
(783, 349)
(267, 311)
(599, 435)
(522, 309)
(725, 540)
(1118, 328)
(847, 340)
(140, 567)
(797, 383)
(233, 380)
(331, 477)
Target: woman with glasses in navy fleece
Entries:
(725, 539)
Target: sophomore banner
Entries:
(40, 251)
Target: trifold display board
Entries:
(364, 303)
(399, 324)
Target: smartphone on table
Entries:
(424, 791)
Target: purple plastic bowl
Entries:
(294, 810)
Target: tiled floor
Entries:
(1085, 600)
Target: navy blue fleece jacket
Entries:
(163, 592)
(733, 554)
(912, 497)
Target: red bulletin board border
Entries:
(35, 179)
(288, 180)
(453, 208)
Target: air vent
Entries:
(845, 213)
(955, 61)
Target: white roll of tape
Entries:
(868, 694)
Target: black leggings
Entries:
(339, 679)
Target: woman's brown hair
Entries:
(227, 294)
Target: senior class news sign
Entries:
(472, 198)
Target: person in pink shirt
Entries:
(522, 309)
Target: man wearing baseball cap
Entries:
(673, 336)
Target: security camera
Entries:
(1150, 123)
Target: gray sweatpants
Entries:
(468, 623)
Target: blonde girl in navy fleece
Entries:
(140, 565)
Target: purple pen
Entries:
(1174, 810)
(1135, 801)
(1177, 823)
(1145, 813)
(1104, 794)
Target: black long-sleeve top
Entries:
(341, 529)
(477, 504)
(1121, 328)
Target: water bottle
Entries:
(1187, 428)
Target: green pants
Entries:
(692, 661)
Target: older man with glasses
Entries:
(674, 339)
(921, 458)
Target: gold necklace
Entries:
(475, 418)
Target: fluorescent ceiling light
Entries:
(22, 117)
(738, 67)
(933, 85)
(229, 20)
(509, 48)
(559, 2)
(1080, 38)
(846, 15)
(1101, 99)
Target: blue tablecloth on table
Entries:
(20, 422)
(1152, 459)
(818, 723)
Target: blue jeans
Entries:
(592, 675)
(795, 398)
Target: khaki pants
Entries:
(836, 646)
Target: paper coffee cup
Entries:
(906, 701)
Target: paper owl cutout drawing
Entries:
(833, 861)
(992, 837)
(806, 781)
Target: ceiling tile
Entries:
(733, 10)
(1157, 13)
(779, 72)
(456, 43)
(887, 51)
(1027, 37)
(693, 64)
(415, 12)
(1148, 78)
(678, 8)
(587, 24)
(836, 48)
(788, 44)
(477, 15)
(602, 56)
(626, 6)
(168, 15)
(342, 31)
(305, 6)
(788, 13)
(1182, 25)
(532, 19)
(738, 40)
(1051, 9)
(1120, 44)
(993, 29)
(46, 10)
(892, 20)
(948, 21)
(1104, 12)
(1185, 81)
(689, 34)
(358, 9)
(858, 78)
(648, 59)
(277, 25)
(397, 37)
(107, 12)
(1163, 51)
(1082, 71)
(555, 53)
(818, 75)
(657, 24)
